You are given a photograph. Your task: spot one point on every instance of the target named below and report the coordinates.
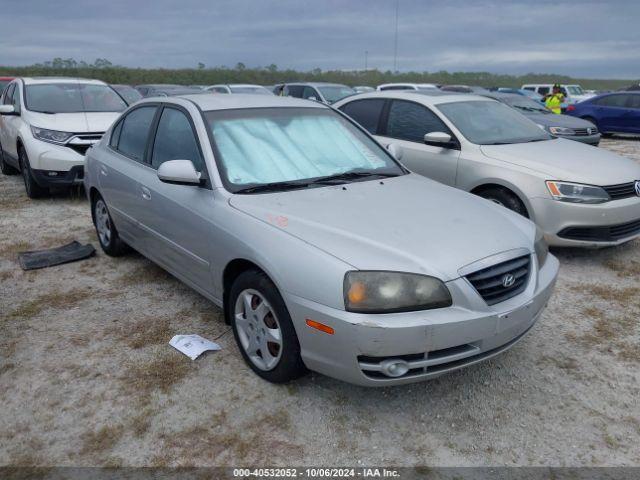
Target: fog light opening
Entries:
(394, 367)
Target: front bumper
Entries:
(588, 139)
(51, 157)
(556, 218)
(432, 342)
(53, 178)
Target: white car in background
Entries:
(48, 123)
(239, 88)
(406, 86)
(572, 93)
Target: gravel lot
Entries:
(87, 376)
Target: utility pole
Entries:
(395, 41)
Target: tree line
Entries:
(103, 69)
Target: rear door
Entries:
(406, 123)
(609, 112)
(175, 216)
(121, 171)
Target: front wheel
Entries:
(506, 199)
(263, 328)
(30, 185)
(108, 237)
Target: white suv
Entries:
(48, 123)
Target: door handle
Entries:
(146, 193)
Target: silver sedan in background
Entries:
(323, 251)
(578, 195)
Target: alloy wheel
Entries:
(103, 222)
(258, 329)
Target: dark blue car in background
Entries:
(617, 112)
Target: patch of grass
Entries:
(141, 423)
(628, 268)
(11, 250)
(162, 373)
(146, 273)
(56, 300)
(6, 367)
(621, 296)
(101, 440)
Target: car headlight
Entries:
(577, 193)
(52, 136)
(541, 248)
(561, 131)
(386, 292)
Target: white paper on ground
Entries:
(192, 345)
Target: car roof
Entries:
(40, 80)
(237, 101)
(421, 97)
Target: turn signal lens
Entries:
(320, 326)
(357, 292)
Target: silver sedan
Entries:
(577, 194)
(323, 251)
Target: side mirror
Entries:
(395, 150)
(179, 172)
(8, 110)
(313, 99)
(439, 139)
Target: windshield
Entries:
(252, 90)
(269, 145)
(575, 90)
(526, 104)
(130, 94)
(72, 98)
(491, 123)
(335, 93)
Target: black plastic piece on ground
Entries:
(71, 252)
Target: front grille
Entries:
(583, 132)
(622, 190)
(490, 282)
(602, 234)
(81, 149)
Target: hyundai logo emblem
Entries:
(638, 188)
(508, 280)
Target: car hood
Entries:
(82, 122)
(407, 223)
(562, 159)
(553, 120)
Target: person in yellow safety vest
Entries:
(554, 100)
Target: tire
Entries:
(30, 185)
(504, 197)
(260, 320)
(5, 168)
(108, 237)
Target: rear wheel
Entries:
(108, 237)
(263, 328)
(31, 186)
(505, 198)
(5, 168)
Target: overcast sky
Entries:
(599, 39)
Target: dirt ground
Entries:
(87, 376)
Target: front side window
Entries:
(3, 85)
(8, 95)
(271, 145)
(175, 140)
(491, 123)
(310, 93)
(365, 112)
(411, 121)
(72, 98)
(135, 132)
(397, 87)
(543, 90)
(15, 101)
(294, 90)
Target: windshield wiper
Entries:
(273, 187)
(346, 176)
(44, 111)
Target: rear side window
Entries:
(612, 101)
(634, 101)
(115, 135)
(365, 112)
(411, 121)
(175, 140)
(135, 132)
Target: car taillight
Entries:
(571, 108)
